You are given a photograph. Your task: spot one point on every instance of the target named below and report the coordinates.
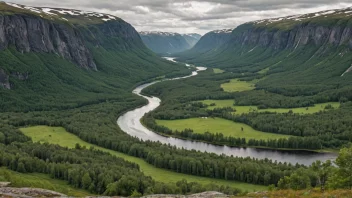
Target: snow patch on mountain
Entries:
(61, 11)
(225, 31)
(159, 33)
(301, 17)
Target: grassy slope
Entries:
(66, 86)
(218, 125)
(36, 180)
(237, 86)
(218, 71)
(247, 109)
(58, 135)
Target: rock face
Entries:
(67, 33)
(4, 80)
(300, 35)
(324, 30)
(34, 34)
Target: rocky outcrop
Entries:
(34, 34)
(4, 80)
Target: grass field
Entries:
(246, 109)
(264, 71)
(58, 135)
(236, 85)
(36, 180)
(218, 125)
(218, 71)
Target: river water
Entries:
(130, 124)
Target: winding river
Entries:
(130, 123)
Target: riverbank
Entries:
(320, 151)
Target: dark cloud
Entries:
(192, 16)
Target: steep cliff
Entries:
(314, 33)
(168, 43)
(34, 34)
(64, 32)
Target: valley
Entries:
(91, 106)
(130, 123)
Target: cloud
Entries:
(199, 16)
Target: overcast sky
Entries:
(198, 16)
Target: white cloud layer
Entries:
(198, 16)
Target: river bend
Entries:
(130, 124)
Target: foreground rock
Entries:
(28, 192)
(4, 184)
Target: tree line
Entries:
(94, 171)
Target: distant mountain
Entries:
(211, 41)
(168, 43)
(192, 38)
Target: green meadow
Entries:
(58, 135)
(236, 85)
(218, 71)
(218, 125)
(247, 109)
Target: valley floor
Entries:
(58, 135)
